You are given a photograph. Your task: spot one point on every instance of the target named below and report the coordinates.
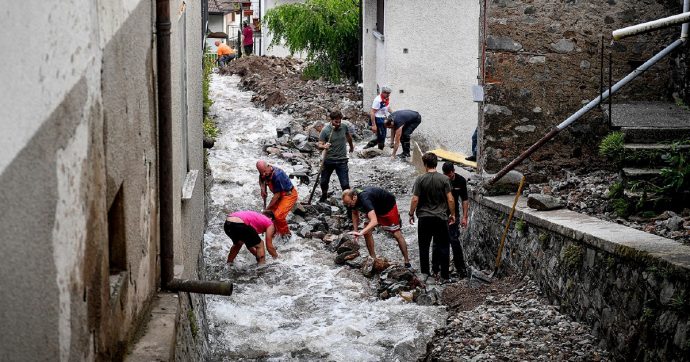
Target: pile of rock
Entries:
(516, 326)
(329, 223)
(589, 194)
(278, 85)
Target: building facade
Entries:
(79, 174)
(428, 55)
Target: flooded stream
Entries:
(300, 306)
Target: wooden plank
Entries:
(454, 157)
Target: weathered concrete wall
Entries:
(543, 62)
(429, 58)
(85, 101)
(630, 286)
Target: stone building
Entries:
(80, 170)
(427, 53)
(541, 61)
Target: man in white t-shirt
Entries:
(380, 108)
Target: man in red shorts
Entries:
(380, 207)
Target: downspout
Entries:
(684, 27)
(165, 164)
(641, 69)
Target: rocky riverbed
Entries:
(325, 298)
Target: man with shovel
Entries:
(284, 194)
(332, 139)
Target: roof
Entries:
(221, 6)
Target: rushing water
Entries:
(301, 306)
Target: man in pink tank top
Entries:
(244, 227)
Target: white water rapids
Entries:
(301, 306)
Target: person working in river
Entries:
(225, 53)
(243, 228)
(403, 123)
(379, 110)
(381, 209)
(284, 194)
(458, 187)
(332, 138)
(431, 200)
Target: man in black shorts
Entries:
(380, 207)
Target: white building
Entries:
(427, 52)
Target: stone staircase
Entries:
(651, 129)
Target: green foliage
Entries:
(678, 302)
(610, 262)
(572, 256)
(210, 129)
(616, 190)
(520, 226)
(611, 146)
(192, 323)
(676, 177)
(621, 206)
(326, 30)
(206, 83)
(647, 314)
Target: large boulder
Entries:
(507, 184)
(543, 202)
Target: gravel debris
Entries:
(515, 325)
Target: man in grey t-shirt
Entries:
(432, 200)
(333, 138)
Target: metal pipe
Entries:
(165, 164)
(684, 28)
(165, 147)
(610, 82)
(582, 111)
(200, 286)
(682, 18)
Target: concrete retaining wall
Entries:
(629, 286)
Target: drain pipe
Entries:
(684, 27)
(683, 18)
(641, 69)
(165, 162)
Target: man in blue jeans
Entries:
(403, 123)
(380, 108)
(332, 138)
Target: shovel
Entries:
(505, 232)
(318, 175)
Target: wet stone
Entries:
(543, 202)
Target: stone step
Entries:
(651, 155)
(651, 122)
(632, 175)
(655, 134)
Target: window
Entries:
(117, 242)
(379, 15)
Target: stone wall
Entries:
(629, 286)
(542, 62)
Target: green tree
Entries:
(326, 30)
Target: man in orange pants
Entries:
(284, 194)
